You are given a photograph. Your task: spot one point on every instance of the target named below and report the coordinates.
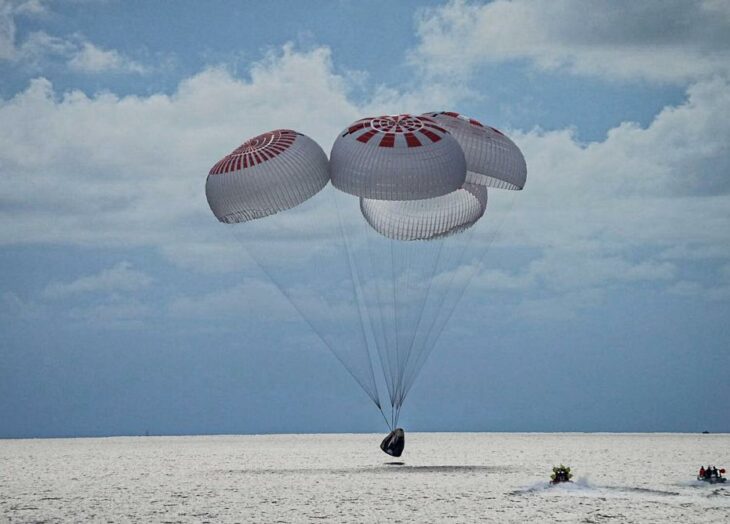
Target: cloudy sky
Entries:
(125, 307)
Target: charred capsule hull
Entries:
(394, 443)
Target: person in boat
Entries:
(561, 474)
(702, 471)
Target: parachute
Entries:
(397, 158)
(492, 159)
(428, 218)
(269, 173)
(377, 260)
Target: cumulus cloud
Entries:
(665, 41)
(130, 171)
(565, 270)
(664, 185)
(119, 278)
(78, 53)
(105, 170)
(89, 58)
(250, 297)
(640, 206)
(262, 299)
(637, 206)
(39, 46)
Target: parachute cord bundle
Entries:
(380, 290)
(364, 318)
(266, 255)
(447, 312)
(404, 312)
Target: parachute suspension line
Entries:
(462, 290)
(357, 291)
(410, 297)
(430, 278)
(479, 255)
(379, 304)
(439, 309)
(399, 296)
(413, 280)
(390, 426)
(373, 395)
(395, 314)
(379, 307)
(387, 327)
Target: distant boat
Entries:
(561, 474)
(705, 432)
(713, 480)
(715, 476)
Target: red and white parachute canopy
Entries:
(401, 157)
(492, 159)
(267, 174)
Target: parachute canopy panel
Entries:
(492, 159)
(428, 218)
(267, 174)
(400, 157)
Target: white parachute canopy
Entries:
(267, 174)
(401, 157)
(492, 159)
(428, 218)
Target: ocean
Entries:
(441, 477)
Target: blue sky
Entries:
(125, 307)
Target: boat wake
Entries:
(582, 486)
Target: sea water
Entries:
(441, 477)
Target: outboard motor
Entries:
(394, 443)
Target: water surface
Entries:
(443, 477)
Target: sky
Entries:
(126, 308)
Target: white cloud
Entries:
(130, 171)
(661, 186)
(263, 300)
(38, 47)
(109, 312)
(105, 170)
(119, 278)
(7, 30)
(250, 297)
(7, 36)
(89, 58)
(79, 54)
(666, 41)
(636, 207)
(566, 269)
